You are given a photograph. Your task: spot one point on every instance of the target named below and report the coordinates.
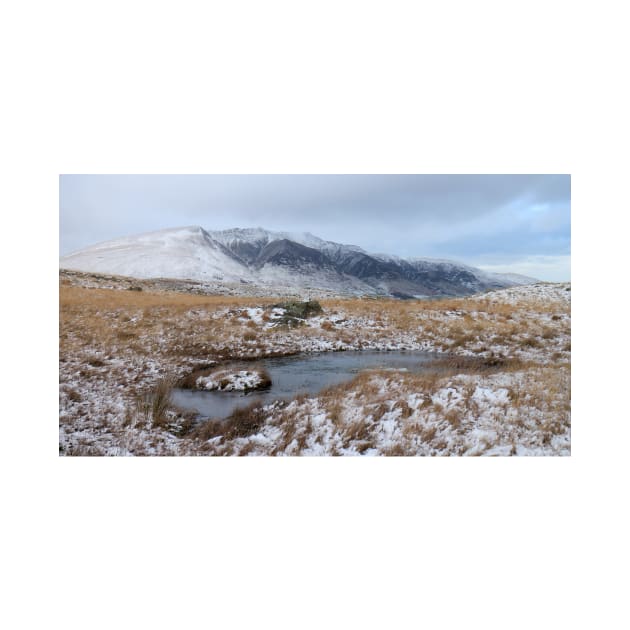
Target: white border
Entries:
(283, 87)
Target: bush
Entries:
(301, 310)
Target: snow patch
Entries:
(226, 382)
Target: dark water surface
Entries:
(308, 374)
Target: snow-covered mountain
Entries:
(269, 259)
(181, 253)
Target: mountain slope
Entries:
(283, 259)
(183, 253)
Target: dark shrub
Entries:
(301, 310)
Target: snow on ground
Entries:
(116, 345)
(539, 291)
(255, 314)
(465, 416)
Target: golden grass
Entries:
(408, 309)
(106, 318)
(169, 328)
(539, 401)
(145, 323)
(109, 299)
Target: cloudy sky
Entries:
(504, 223)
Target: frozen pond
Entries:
(294, 375)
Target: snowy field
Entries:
(504, 389)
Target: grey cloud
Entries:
(462, 216)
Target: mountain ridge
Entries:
(268, 258)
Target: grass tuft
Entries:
(243, 422)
